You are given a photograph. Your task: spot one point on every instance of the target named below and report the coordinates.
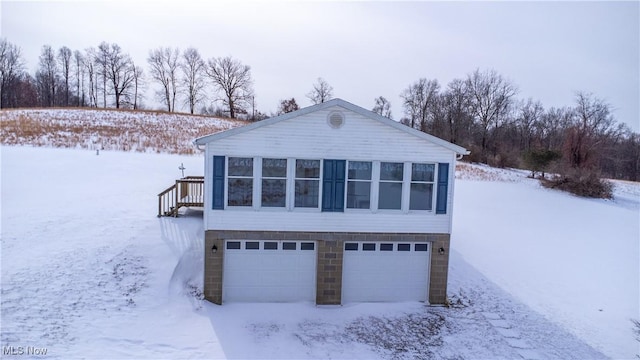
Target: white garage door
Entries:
(385, 271)
(269, 271)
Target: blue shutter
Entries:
(338, 195)
(218, 182)
(443, 185)
(333, 178)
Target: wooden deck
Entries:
(186, 192)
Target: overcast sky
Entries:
(364, 50)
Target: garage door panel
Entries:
(269, 275)
(394, 275)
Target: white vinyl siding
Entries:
(309, 137)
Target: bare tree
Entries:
(138, 84)
(11, 68)
(193, 68)
(102, 59)
(456, 106)
(120, 72)
(287, 106)
(593, 124)
(234, 79)
(529, 116)
(164, 70)
(321, 92)
(64, 58)
(382, 107)
(47, 76)
(79, 77)
(491, 96)
(91, 71)
(418, 101)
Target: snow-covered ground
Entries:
(89, 271)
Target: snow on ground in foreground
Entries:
(89, 271)
(574, 260)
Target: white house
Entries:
(331, 203)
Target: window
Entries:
(307, 183)
(369, 247)
(404, 247)
(252, 245)
(288, 246)
(359, 185)
(351, 246)
(420, 247)
(270, 245)
(240, 181)
(233, 245)
(422, 177)
(274, 182)
(390, 192)
(386, 247)
(307, 246)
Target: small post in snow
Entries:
(181, 168)
(97, 151)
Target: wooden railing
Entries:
(188, 191)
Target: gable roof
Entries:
(333, 102)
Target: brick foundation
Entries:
(329, 262)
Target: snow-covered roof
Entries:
(328, 104)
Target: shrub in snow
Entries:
(581, 182)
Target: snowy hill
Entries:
(108, 129)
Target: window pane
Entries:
(422, 172)
(390, 195)
(307, 246)
(270, 245)
(386, 247)
(274, 167)
(240, 192)
(391, 171)
(233, 244)
(360, 170)
(309, 169)
(252, 245)
(240, 166)
(288, 246)
(351, 246)
(369, 247)
(421, 196)
(404, 247)
(274, 192)
(307, 193)
(420, 247)
(358, 194)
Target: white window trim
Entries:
(286, 190)
(346, 188)
(291, 179)
(293, 188)
(226, 184)
(433, 188)
(378, 181)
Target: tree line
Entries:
(480, 111)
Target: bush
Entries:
(585, 183)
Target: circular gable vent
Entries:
(336, 119)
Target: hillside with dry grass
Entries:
(107, 129)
